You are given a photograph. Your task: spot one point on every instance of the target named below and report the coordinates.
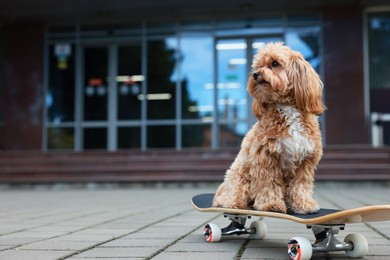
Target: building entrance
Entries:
(147, 87)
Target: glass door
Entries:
(95, 91)
(232, 98)
(129, 97)
(234, 105)
(111, 97)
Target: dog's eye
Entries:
(275, 64)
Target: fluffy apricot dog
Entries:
(274, 170)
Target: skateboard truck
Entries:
(326, 240)
(213, 232)
(354, 245)
(237, 225)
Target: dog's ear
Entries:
(257, 108)
(307, 85)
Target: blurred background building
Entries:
(116, 75)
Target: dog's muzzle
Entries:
(258, 78)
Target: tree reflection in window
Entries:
(161, 89)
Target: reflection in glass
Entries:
(229, 136)
(189, 65)
(232, 78)
(307, 42)
(196, 136)
(379, 46)
(60, 138)
(95, 83)
(129, 82)
(129, 137)
(261, 42)
(95, 138)
(161, 136)
(61, 91)
(2, 78)
(161, 62)
(378, 26)
(197, 75)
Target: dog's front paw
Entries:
(274, 206)
(305, 207)
(230, 203)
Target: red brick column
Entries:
(344, 79)
(24, 74)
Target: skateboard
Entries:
(325, 224)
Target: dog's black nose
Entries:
(256, 75)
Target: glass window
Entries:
(196, 135)
(196, 55)
(379, 66)
(184, 63)
(61, 90)
(60, 138)
(95, 138)
(95, 83)
(2, 77)
(306, 40)
(379, 46)
(261, 42)
(129, 137)
(161, 79)
(161, 136)
(129, 81)
(229, 134)
(232, 78)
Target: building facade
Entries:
(179, 82)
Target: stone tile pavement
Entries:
(158, 222)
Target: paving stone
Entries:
(123, 252)
(195, 256)
(55, 244)
(111, 258)
(32, 254)
(14, 241)
(264, 253)
(126, 242)
(205, 247)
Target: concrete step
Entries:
(338, 163)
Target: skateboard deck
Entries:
(203, 203)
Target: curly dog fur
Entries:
(274, 170)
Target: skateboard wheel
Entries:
(212, 233)
(260, 229)
(300, 248)
(360, 245)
